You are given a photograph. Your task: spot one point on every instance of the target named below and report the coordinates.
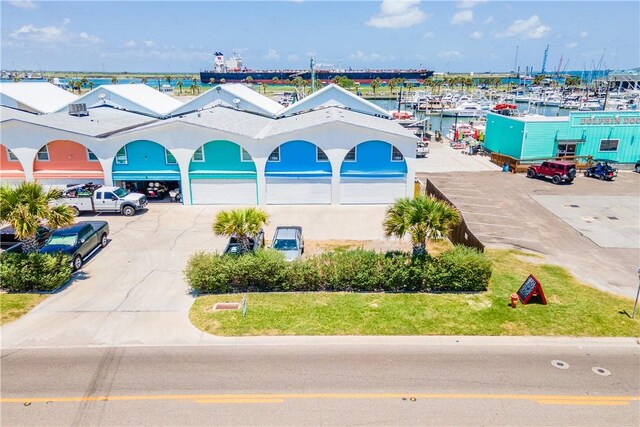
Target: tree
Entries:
(375, 83)
(212, 80)
(249, 79)
(91, 85)
(243, 223)
(393, 83)
(275, 80)
(537, 80)
(423, 217)
(223, 81)
(297, 81)
(180, 84)
(144, 80)
(168, 79)
(84, 82)
(28, 205)
(114, 80)
(264, 87)
(195, 83)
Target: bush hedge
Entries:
(460, 269)
(33, 272)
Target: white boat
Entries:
(552, 101)
(465, 109)
(590, 105)
(570, 104)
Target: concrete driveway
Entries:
(133, 292)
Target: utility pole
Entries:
(313, 76)
(515, 62)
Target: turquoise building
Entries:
(605, 135)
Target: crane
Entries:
(559, 65)
(544, 60)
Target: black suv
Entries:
(255, 242)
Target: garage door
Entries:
(371, 191)
(298, 191)
(223, 191)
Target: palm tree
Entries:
(212, 80)
(168, 79)
(28, 205)
(374, 84)
(180, 84)
(264, 87)
(249, 80)
(243, 223)
(195, 83)
(114, 80)
(423, 217)
(144, 80)
(275, 80)
(392, 84)
(223, 81)
(91, 85)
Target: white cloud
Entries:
(476, 35)
(398, 14)
(23, 4)
(489, 20)
(428, 35)
(584, 34)
(470, 4)
(571, 45)
(272, 55)
(364, 57)
(51, 35)
(66, 21)
(531, 28)
(148, 43)
(130, 43)
(450, 54)
(462, 17)
(292, 57)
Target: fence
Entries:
(517, 165)
(460, 234)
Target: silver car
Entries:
(289, 240)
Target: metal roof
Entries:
(334, 114)
(227, 119)
(234, 95)
(334, 94)
(36, 97)
(138, 98)
(101, 121)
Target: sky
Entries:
(444, 36)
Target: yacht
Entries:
(465, 109)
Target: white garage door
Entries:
(223, 191)
(354, 191)
(298, 191)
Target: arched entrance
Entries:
(298, 173)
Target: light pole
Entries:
(635, 305)
(455, 129)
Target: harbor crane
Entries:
(544, 59)
(559, 65)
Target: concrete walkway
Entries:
(443, 158)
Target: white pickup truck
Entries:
(95, 198)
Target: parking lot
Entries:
(591, 227)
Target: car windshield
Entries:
(64, 240)
(120, 192)
(285, 245)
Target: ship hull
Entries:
(363, 76)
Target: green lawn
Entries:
(14, 306)
(573, 309)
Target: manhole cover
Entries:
(559, 364)
(614, 218)
(601, 371)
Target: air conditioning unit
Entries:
(78, 109)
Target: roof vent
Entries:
(78, 110)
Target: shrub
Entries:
(459, 269)
(33, 272)
(209, 273)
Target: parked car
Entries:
(557, 171)
(602, 171)
(637, 166)
(9, 242)
(255, 242)
(79, 241)
(95, 198)
(289, 240)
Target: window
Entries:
(321, 156)
(99, 195)
(351, 155)
(198, 155)
(275, 155)
(12, 157)
(43, 154)
(91, 156)
(245, 156)
(121, 156)
(609, 144)
(108, 195)
(396, 155)
(168, 158)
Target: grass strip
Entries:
(14, 306)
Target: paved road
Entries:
(383, 381)
(504, 209)
(133, 291)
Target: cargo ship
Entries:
(233, 71)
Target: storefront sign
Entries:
(610, 120)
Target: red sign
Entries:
(531, 288)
